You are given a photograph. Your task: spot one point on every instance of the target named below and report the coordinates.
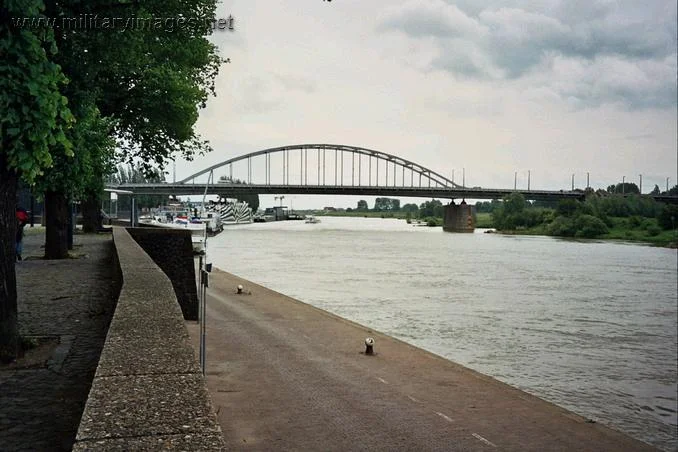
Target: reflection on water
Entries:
(588, 326)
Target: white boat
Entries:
(312, 219)
(198, 229)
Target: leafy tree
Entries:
(568, 207)
(432, 208)
(133, 174)
(34, 119)
(655, 190)
(588, 226)
(562, 227)
(362, 206)
(70, 178)
(151, 80)
(386, 204)
(410, 208)
(626, 188)
(673, 191)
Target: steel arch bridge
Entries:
(339, 152)
(329, 169)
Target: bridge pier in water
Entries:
(459, 217)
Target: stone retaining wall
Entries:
(172, 251)
(148, 391)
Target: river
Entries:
(589, 326)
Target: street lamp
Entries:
(640, 187)
(572, 181)
(623, 183)
(667, 185)
(515, 180)
(528, 180)
(587, 180)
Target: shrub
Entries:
(635, 221)
(653, 230)
(567, 207)
(562, 227)
(664, 218)
(589, 226)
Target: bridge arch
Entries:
(433, 177)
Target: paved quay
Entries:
(72, 302)
(286, 376)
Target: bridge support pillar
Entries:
(459, 218)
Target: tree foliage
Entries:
(386, 205)
(133, 174)
(624, 188)
(362, 206)
(35, 115)
(151, 79)
(34, 118)
(432, 208)
(410, 208)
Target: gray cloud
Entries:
(631, 45)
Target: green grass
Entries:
(646, 230)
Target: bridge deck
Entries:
(286, 376)
(359, 190)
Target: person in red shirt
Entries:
(22, 219)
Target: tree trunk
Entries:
(9, 332)
(56, 210)
(91, 218)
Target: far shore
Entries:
(666, 239)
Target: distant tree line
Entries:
(590, 218)
(433, 208)
(132, 174)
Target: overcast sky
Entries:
(555, 87)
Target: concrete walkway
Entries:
(70, 301)
(286, 376)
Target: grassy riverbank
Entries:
(644, 230)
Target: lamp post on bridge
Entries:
(667, 185)
(515, 180)
(572, 181)
(528, 180)
(623, 184)
(640, 185)
(587, 180)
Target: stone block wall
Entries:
(459, 218)
(172, 251)
(148, 392)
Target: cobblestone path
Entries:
(72, 300)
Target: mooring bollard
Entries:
(240, 289)
(369, 346)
